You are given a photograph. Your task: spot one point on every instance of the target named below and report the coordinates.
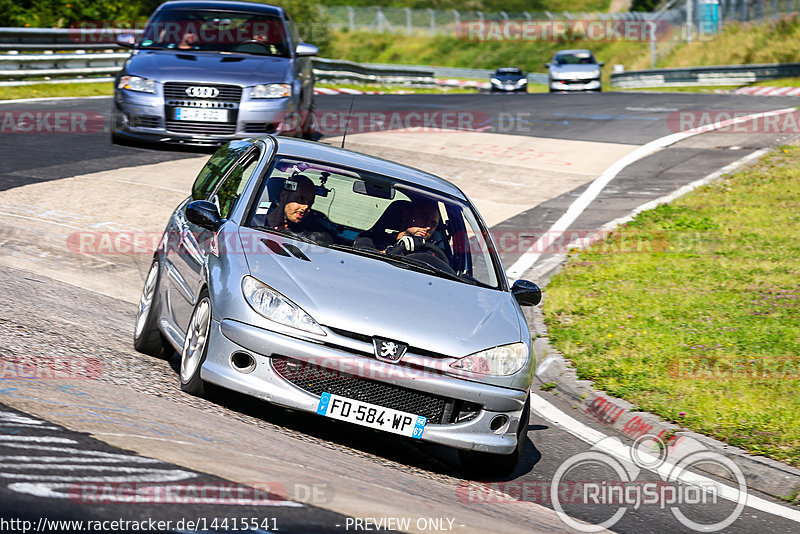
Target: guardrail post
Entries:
(408, 21)
(457, 18)
(689, 20)
(433, 20)
(351, 18)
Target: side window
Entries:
(215, 169)
(231, 189)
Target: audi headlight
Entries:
(499, 361)
(271, 90)
(275, 307)
(137, 83)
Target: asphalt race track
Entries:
(129, 423)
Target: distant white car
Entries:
(574, 70)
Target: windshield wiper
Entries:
(431, 269)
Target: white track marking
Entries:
(530, 256)
(52, 98)
(547, 411)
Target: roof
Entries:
(227, 5)
(348, 158)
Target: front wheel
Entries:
(485, 465)
(195, 347)
(147, 338)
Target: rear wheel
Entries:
(147, 338)
(498, 466)
(195, 347)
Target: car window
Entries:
(363, 209)
(219, 164)
(231, 188)
(575, 59)
(217, 31)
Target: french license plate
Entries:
(200, 114)
(371, 415)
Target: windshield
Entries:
(217, 31)
(375, 216)
(580, 58)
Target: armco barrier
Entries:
(716, 75)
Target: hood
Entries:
(375, 298)
(208, 67)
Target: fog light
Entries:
(499, 424)
(243, 362)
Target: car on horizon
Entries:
(574, 70)
(426, 341)
(204, 72)
(508, 80)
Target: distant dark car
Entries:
(509, 79)
(574, 70)
(206, 72)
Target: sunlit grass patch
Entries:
(695, 307)
(50, 90)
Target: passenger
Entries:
(293, 211)
(419, 219)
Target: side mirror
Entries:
(601, 63)
(204, 214)
(125, 40)
(306, 49)
(527, 293)
(547, 65)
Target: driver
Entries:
(293, 211)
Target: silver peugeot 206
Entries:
(345, 285)
(204, 72)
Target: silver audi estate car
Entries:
(574, 70)
(348, 286)
(205, 72)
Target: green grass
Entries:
(46, 90)
(694, 307)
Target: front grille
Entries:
(227, 93)
(201, 128)
(317, 380)
(260, 127)
(367, 339)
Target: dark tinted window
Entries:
(216, 168)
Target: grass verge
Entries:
(692, 310)
(50, 90)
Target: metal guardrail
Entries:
(716, 75)
(460, 73)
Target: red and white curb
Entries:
(462, 83)
(768, 91)
(344, 91)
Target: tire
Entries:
(308, 125)
(147, 338)
(195, 347)
(484, 465)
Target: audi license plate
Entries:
(371, 415)
(200, 114)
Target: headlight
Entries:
(495, 81)
(271, 90)
(136, 83)
(596, 73)
(275, 307)
(499, 361)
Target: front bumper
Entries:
(575, 85)
(509, 88)
(147, 117)
(486, 402)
